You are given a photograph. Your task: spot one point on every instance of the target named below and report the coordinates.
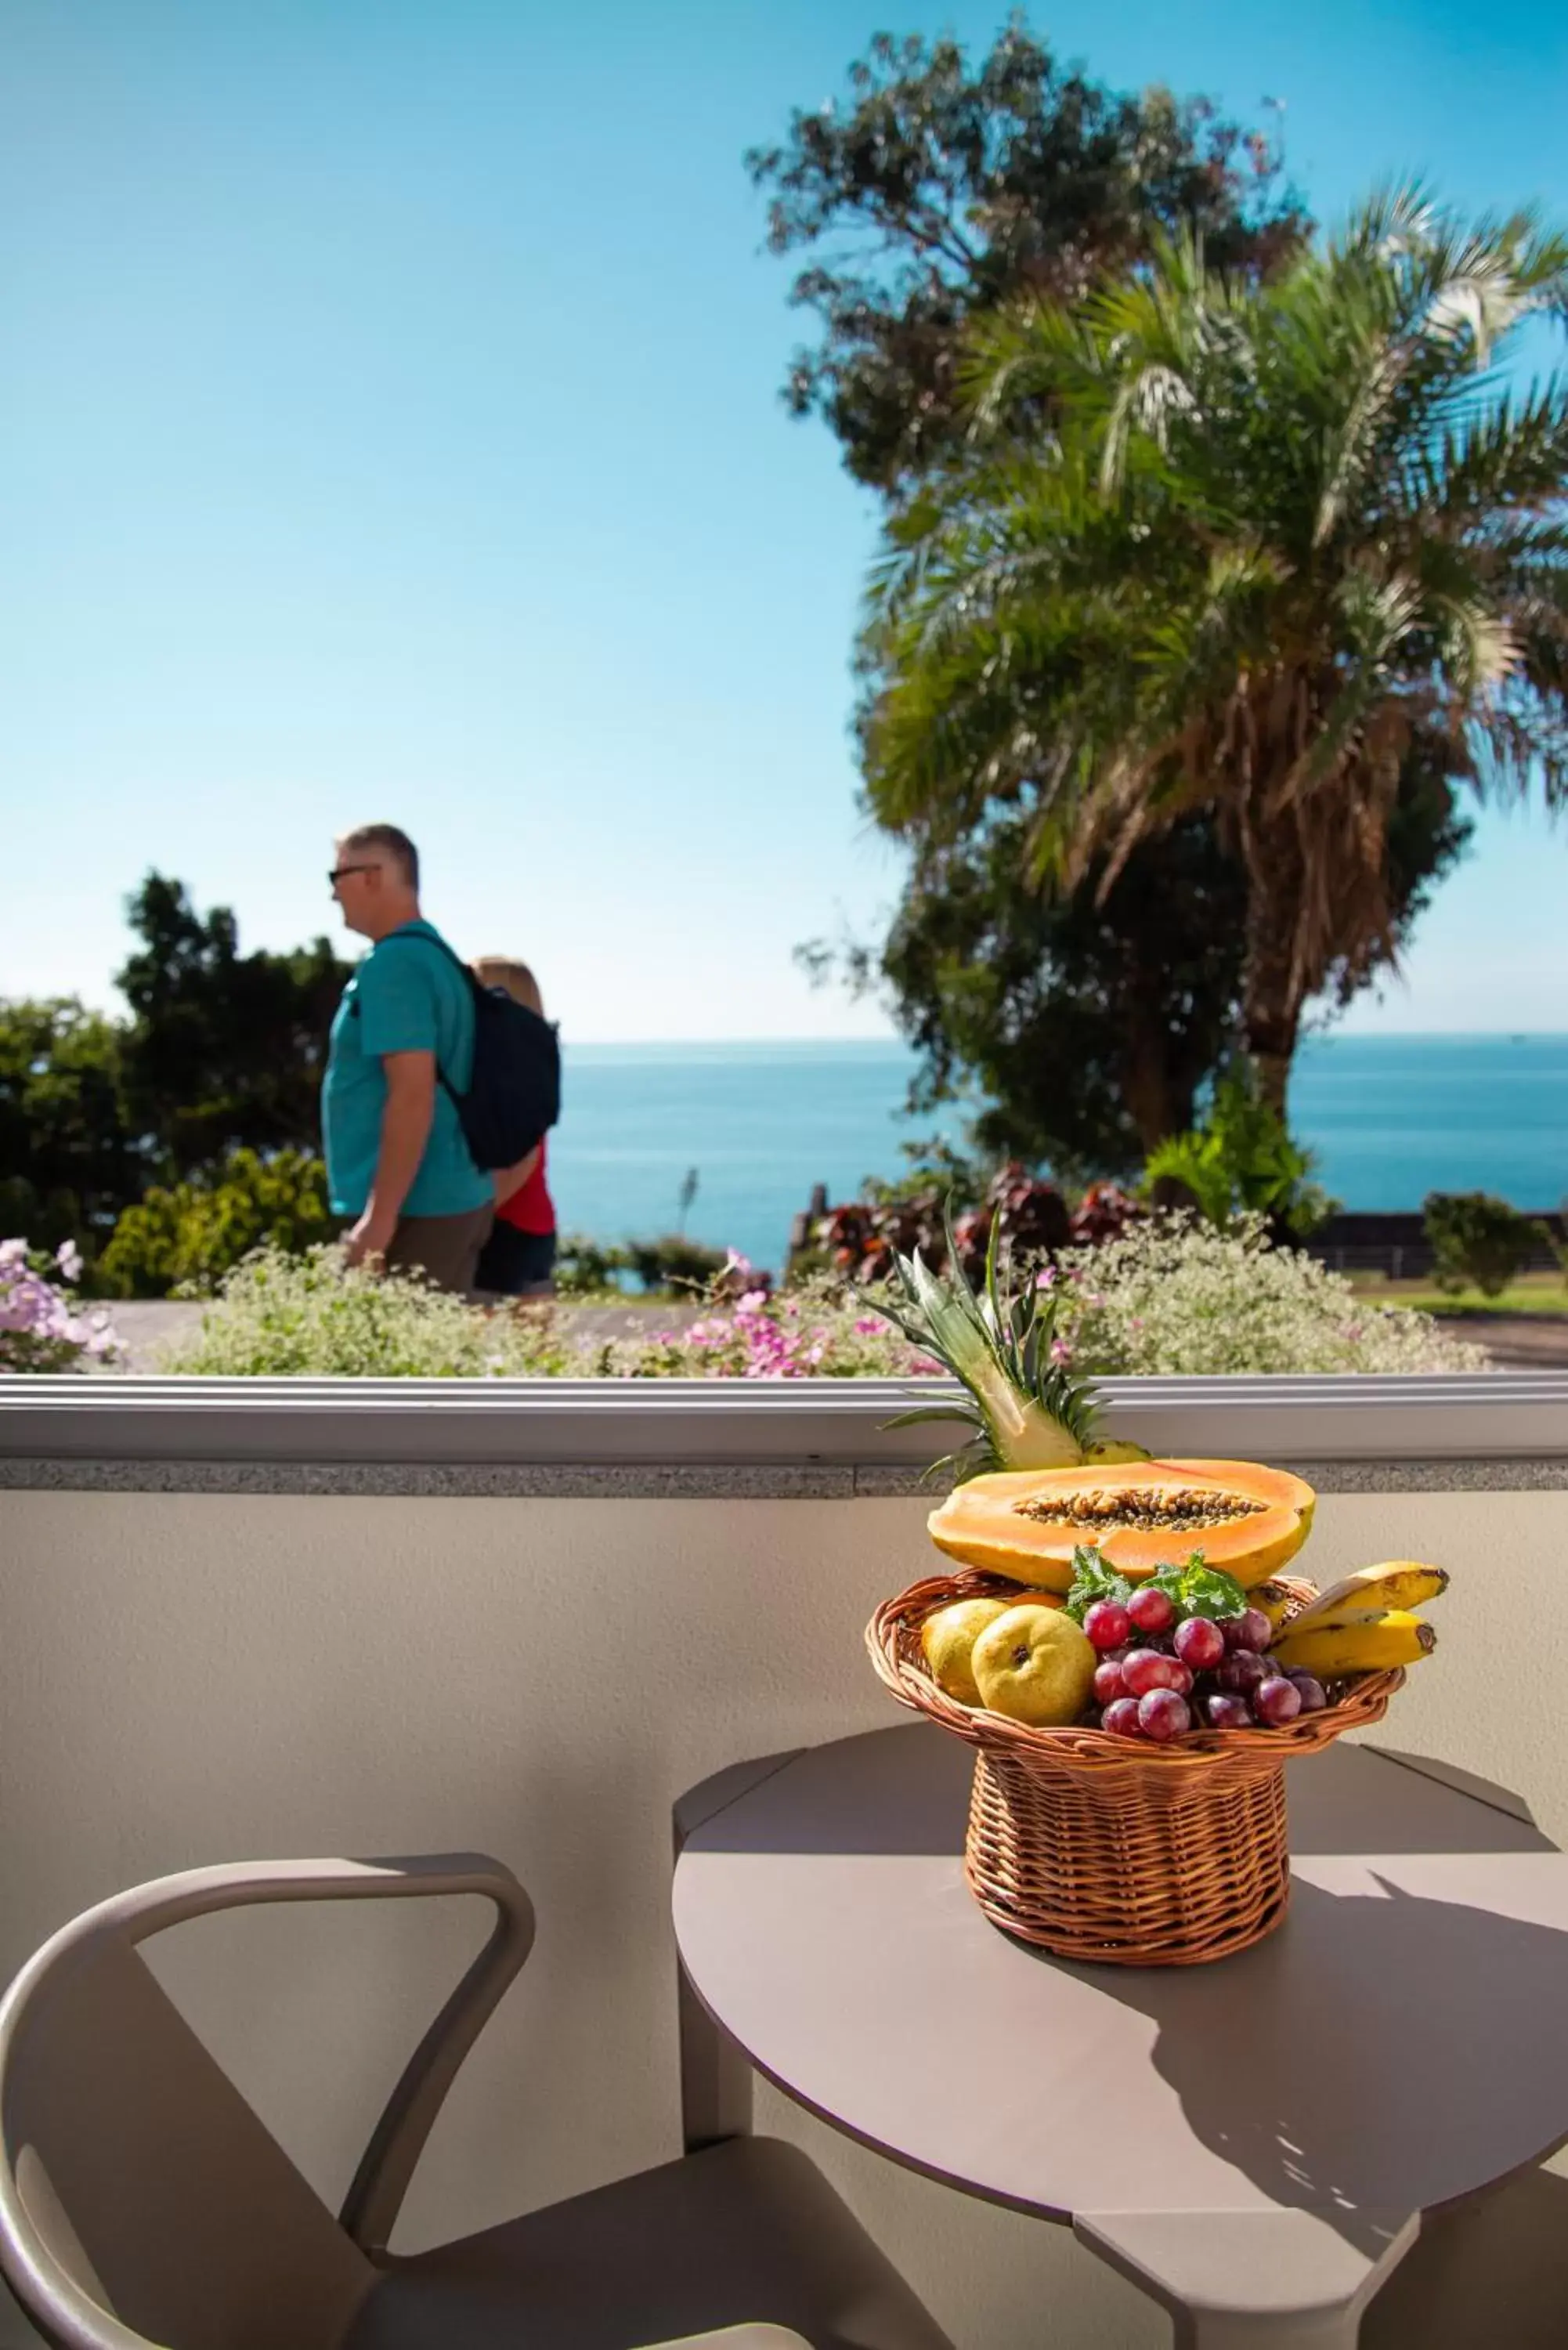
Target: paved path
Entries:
(1530, 1342)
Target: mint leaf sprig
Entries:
(1195, 1590)
(1094, 1579)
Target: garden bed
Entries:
(1168, 1297)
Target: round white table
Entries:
(1253, 2141)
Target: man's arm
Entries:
(405, 1130)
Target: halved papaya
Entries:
(1027, 1522)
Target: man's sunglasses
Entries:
(338, 872)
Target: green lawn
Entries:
(1532, 1292)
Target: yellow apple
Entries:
(948, 1636)
(1034, 1664)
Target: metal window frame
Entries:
(1500, 1415)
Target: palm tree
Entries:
(1261, 548)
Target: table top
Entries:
(1396, 2042)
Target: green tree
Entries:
(939, 190)
(70, 1159)
(1282, 551)
(1478, 1242)
(1089, 1022)
(1085, 1026)
(225, 1051)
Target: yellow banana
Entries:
(1368, 1644)
(1275, 1598)
(1371, 1591)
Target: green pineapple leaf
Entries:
(1025, 1408)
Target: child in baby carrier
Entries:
(518, 1260)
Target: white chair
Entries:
(143, 2206)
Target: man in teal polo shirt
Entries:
(396, 1158)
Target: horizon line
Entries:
(1326, 1036)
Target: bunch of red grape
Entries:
(1158, 1679)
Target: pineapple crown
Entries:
(1025, 1408)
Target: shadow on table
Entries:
(1456, 2066)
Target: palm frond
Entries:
(1241, 544)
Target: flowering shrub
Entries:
(814, 1331)
(1177, 1294)
(280, 1315)
(42, 1324)
(1172, 1294)
(285, 1317)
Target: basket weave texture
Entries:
(1098, 1849)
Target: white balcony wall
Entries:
(192, 1675)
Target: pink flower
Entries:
(867, 1326)
(1045, 1280)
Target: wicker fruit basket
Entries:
(1095, 1849)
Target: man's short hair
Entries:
(392, 842)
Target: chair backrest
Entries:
(133, 2165)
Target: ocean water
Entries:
(1391, 1117)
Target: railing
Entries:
(1365, 1417)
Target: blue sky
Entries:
(388, 428)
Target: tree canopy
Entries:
(68, 1161)
(935, 192)
(225, 1051)
(1264, 548)
(222, 1053)
(939, 190)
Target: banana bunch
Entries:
(1363, 1624)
